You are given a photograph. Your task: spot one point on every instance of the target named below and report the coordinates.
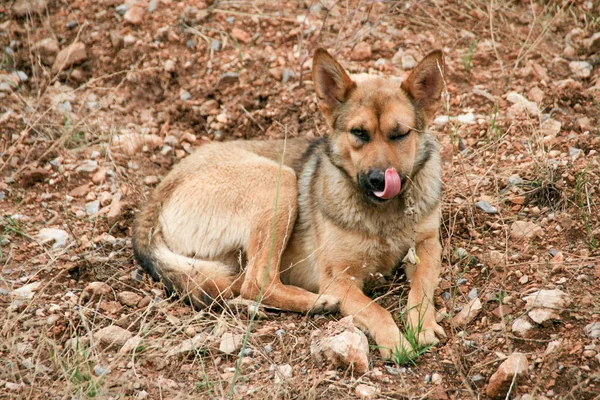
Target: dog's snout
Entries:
(377, 179)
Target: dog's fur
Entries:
(295, 223)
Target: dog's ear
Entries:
(332, 83)
(426, 82)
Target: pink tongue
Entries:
(392, 184)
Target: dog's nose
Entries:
(377, 179)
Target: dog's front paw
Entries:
(325, 304)
(430, 334)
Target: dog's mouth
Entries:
(379, 186)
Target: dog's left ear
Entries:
(332, 83)
(426, 82)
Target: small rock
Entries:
(408, 62)
(436, 379)
(170, 66)
(514, 366)
(362, 51)
(129, 298)
(152, 5)
(468, 313)
(231, 343)
(283, 373)
(593, 330)
(92, 207)
(58, 236)
(135, 15)
(26, 292)
(26, 7)
(478, 380)
(184, 95)
(486, 207)
(240, 35)
(520, 230)
(131, 344)
(209, 107)
(581, 69)
(47, 49)
(100, 370)
(69, 56)
(593, 43)
(553, 346)
(121, 9)
(546, 304)
(99, 176)
(342, 344)
(550, 127)
(114, 212)
(521, 104)
(473, 293)
(95, 291)
(574, 153)
(88, 166)
(495, 258)
(228, 78)
(151, 180)
(112, 337)
(366, 392)
(521, 326)
(523, 280)
(536, 94)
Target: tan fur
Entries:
(289, 222)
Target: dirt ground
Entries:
(98, 99)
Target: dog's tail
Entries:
(197, 281)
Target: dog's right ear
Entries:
(332, 83)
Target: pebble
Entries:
(366, 392)
(240, 35)
(69, 56)
(581, 69)
(121, 9)
(134, 15)
(521, 104)
(26, 292)
(215, 45)
(436, 379)
(92, 207)
(100, 370)
(575, 153)
(593, 330)
(473, 293)
(129, 298)
(341, 344)
(88, 166)
(283, 373)
(486, 207)
(478, 380)
(362, 51)
(152, 6)
(231, 343)
(228, 78)
(546, 305)
(58, 236)
(520, 230)
(112, 336)
(521, 326)
(408, 62)
(468, 313)
(550, 127)
(514, 366)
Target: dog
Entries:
(302, 225)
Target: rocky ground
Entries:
(98, 99)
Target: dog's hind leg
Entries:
(271, 230)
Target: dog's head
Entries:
(377, 123)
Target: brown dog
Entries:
(302, 225)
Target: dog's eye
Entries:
(397, 135)
(360, 134)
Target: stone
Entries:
(241, 35)
(545, 305)
(87, 166)
(436, 379)
(283, 373)
(408, 62)
(129, 298)
(228, 78)
(593, 330)
(114, 212)
(486, 207)
(92, 207)
(80, 191)
(69, 56)
(26, 292)
(135, 15)
(57, 236)
(95, 291)
(495, 259)
(231, 343)
(209, 107)
(190, 346)
(521, 326)
(553, 346)
(99, 176)
(366, 392)
(112, 336)
(521, 104)
(170, 66)
(581, 69)
(47, 49)
(550, 127)
(362, 51)
(521, 230)
(341, 344)
(536, 94)
(513, 367)
(574, 153)
(468, 313)
(593, 43)
(25, 7)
